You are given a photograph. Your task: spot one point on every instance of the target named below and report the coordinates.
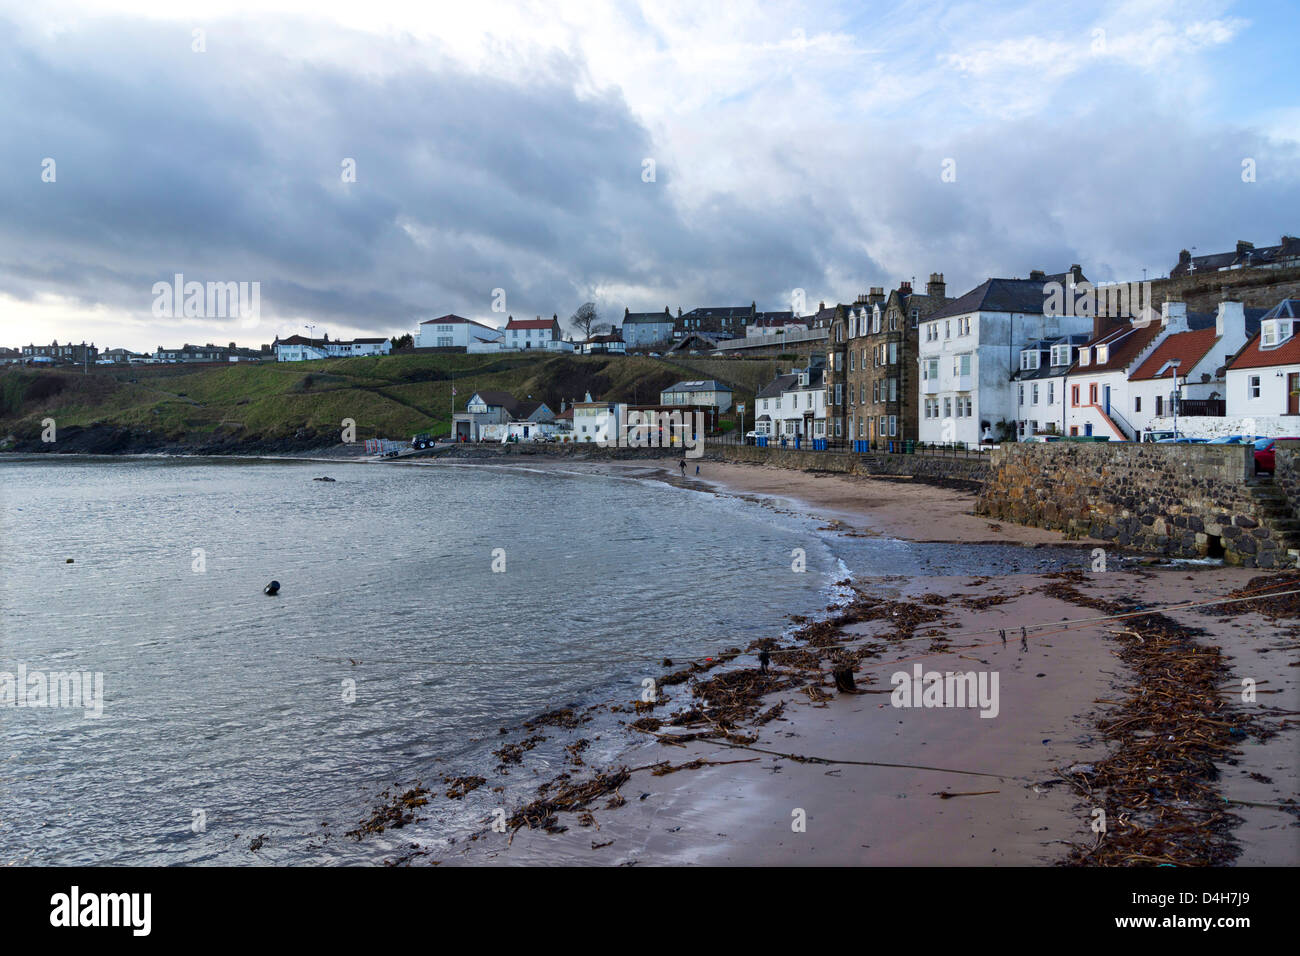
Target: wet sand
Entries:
(856, 812)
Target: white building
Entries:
(1263, 382)
(792, 405)
(970, 348)
(598, 421)
(453, 332)
(538, 333)
(1097, 388)
(1198, 358)
(703, 392)
(296, 348)
(1040, 385)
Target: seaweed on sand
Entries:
(541, 813)
(1158, 785)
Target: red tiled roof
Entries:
(530, 323)
(1187, 348)
(1252, 356)
(1124, 343)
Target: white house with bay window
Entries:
(792, 405)
(1263, 381)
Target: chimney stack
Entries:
(1231, 316)
(936, 287)
(1173, 315)
(905, 288)
(1243, 247)
(1037, 275)
(876, 295)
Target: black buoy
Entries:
(272, 589)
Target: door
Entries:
(1293, 399)
(1105, 398)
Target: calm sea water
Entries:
(393, 653)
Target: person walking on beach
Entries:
(683, 464)
(764, 658)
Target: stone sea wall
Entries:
(1175, 500)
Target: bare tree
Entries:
(585, 319)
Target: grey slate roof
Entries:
(699, 385)
(1002, 295)
(647, 318)
(774, 388)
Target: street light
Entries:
(1174, 398)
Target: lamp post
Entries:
(1174, 398)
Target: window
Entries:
(961, 364)
(1253, 391)
(1092, 393)
(1074, 398)
(1103, 354)
(1137, 403)
(1060, 355)
(875, 391)
(1051, 393)
(947, 328)
(947, 408)
(893, 426)
(1020, 398)
(893, 353)
(1028, 360)
(1084, 354)
(839, 394)
(1034, 389)
(1274, 332)
(1160, 406)
(893, 389)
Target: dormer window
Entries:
(1084, 354)
(1274, 332)
(1029, 360)
(1103, 354)
(1060, 355)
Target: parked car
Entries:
(1181, 440)
(1236, 439)
(1264, 455)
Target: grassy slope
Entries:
(388, 396)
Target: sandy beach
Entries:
(828, 777)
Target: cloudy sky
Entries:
(506, 146)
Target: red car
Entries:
(1264, 453)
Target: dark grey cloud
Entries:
(225, 166)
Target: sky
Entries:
(371, 165)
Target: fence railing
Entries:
(879, 446)
(1203, 407)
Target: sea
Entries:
(424, 615)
